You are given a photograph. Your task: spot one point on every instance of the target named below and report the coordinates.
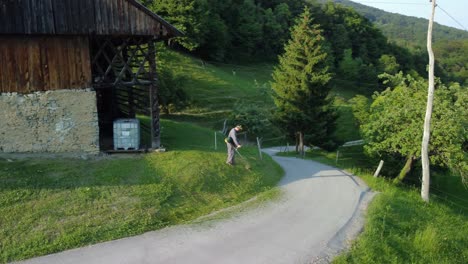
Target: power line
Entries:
(411, 3)
(456, 21)
(392, 3)
(450, 201)
(447, 194)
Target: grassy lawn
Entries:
(400, 227)
(50, 205)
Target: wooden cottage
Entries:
(68, 68)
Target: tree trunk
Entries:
(301, 143)
(427, 119)
(297, 142)
(406, 169)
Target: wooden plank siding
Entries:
(40, 63)
(81, 17)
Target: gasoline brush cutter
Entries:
(247, 164)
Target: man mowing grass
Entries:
(232, 144)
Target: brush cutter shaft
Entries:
(247, 163)
(239, 153)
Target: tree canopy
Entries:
(410, 33)
(392, 123)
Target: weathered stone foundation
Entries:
(51, 121)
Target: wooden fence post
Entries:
(224, 127)
(376, 174)
(259, 148)
(216, 142)
(337, 156)
(153, 95)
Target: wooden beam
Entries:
(129, 89)
(155, 125)
(126, 69)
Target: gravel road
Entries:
(319, 212)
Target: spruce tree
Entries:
(300, 87)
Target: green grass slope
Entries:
(50, 205)
(214, 86)
(215, 89)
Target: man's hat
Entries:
(239, 126)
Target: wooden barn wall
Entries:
(29, 64)
(78, 17)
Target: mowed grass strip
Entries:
(400, 227)
(50, 205)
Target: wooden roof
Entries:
(82, 17)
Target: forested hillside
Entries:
(240, 31)
(452, 57)
(231, 30)
(410, 32)
(361, 39)
(405, 30)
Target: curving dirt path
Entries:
(320, 210)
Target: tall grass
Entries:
(49, 205)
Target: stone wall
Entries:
(51, 121)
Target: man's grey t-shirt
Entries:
(232, 134)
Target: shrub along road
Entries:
(319, 211)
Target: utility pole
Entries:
(427, 119)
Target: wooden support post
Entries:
(216, 142)
(155, 124)
(259, 148)
(128, 76)
(377, 172)
(427, 119)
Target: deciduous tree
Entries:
(391, 124)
